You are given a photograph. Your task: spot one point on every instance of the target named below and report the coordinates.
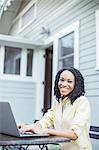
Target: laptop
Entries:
(8, 124)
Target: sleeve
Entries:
(82, 116)
(47, 119)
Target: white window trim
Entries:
(97, 39)
(55, 40)
(23, 61)
(22, 43)
(23, 68)
(72, 28)
(2, 53)
(19, 17)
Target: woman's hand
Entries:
(25, 128)
(35, 128)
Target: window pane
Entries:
(29, 62)
(12, 60)
(66, 62)
(66, 51)
(28, 16)
(67, 44)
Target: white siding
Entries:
(21, 96)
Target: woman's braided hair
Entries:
(79, 88)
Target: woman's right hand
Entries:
(25, 127)
(34, 128)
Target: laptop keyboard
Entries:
(25, 133)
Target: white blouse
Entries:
(63, 116)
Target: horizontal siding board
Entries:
(50, 5)
(88, 64)
(87, 51)
(16, 95)
(90, 30)
(89, 44)
(21, 96)
(92, 85)
(89, 71)
(89, 38)
(93, 92)
(96, 99)
(16, 90)
(87, 58)
(89, 17)
(17, 84)
(92, 78)
(88, 25)
(87, 47)
(88, 12)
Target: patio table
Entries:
(42, 142)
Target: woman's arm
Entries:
(37, 128)
(67, 134)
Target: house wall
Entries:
(60, 14)
(21, 96)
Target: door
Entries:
(48, 78)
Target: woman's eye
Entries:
(70, 81)
(61, 79)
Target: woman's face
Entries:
(66, 83)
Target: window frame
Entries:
(22, 13)
(72, 28)
(12, 49)
(23, 68)
(97, 39)
(60, 57)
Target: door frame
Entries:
(48, 78)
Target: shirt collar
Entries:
(65, 101)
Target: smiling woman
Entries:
(70, 114)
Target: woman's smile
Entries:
(66, 82)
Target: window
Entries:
(68, 46)
(27, 16)
(12, 60)
(16, 61)
(66, 56)
(97, 40)
(29, 62)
